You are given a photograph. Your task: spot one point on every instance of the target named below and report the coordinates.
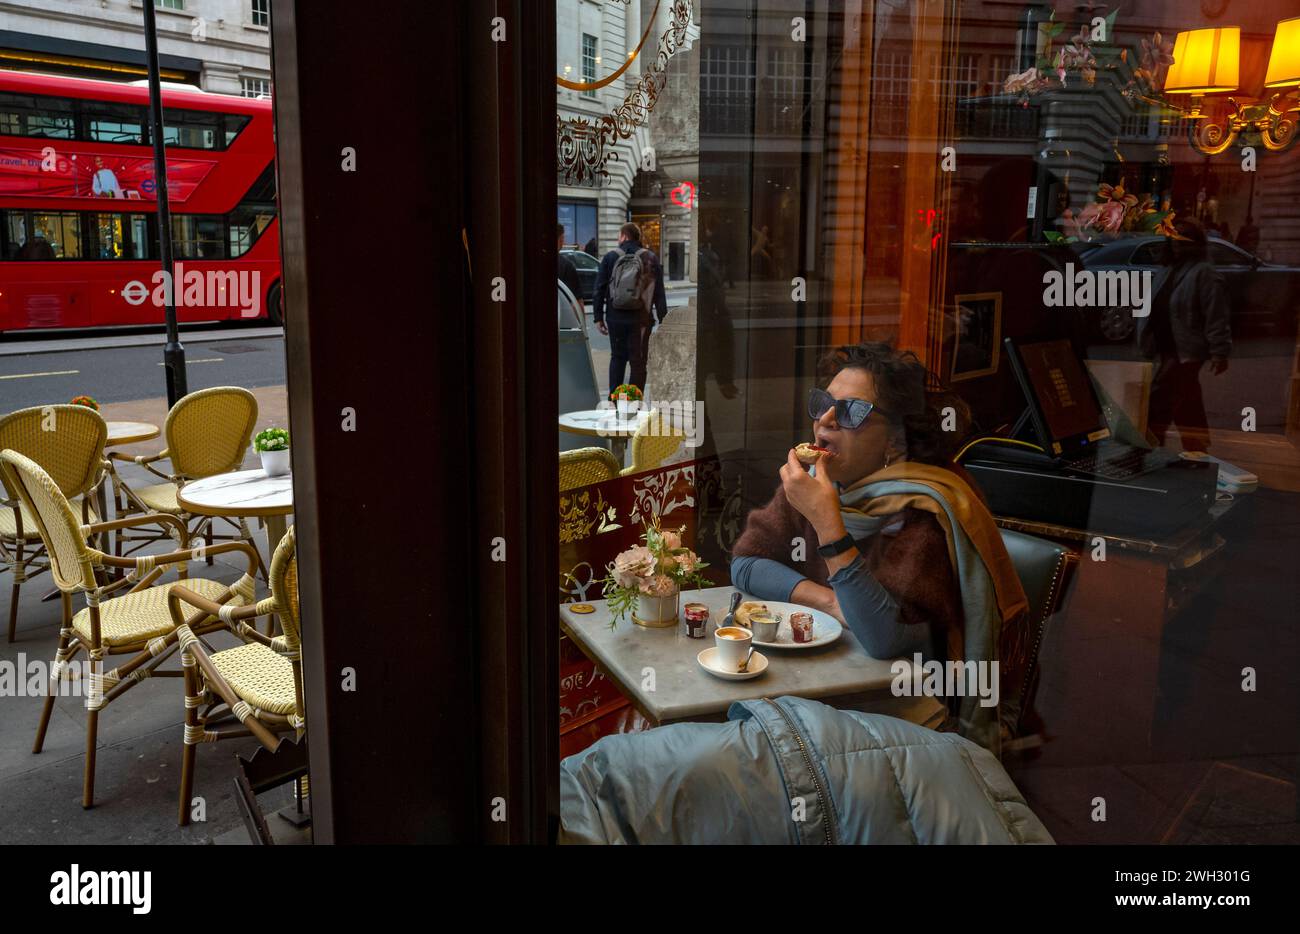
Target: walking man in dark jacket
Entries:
(628, 303)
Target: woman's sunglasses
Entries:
(849, 413)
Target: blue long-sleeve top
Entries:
(869, 610)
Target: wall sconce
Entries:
(1208, 61)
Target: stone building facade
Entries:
(222, 46)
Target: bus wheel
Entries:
(274, 312)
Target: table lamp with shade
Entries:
(1208, 61)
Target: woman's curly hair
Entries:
(904, 397)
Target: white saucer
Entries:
(708, 661)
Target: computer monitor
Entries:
(1063, 405)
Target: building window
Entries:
(169, 4)
(726, 88)
(261, 12)
(255, 87)
(589, 57)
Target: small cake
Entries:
(809, 453)
(747, 609)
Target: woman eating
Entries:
(884, 532)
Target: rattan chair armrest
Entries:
(175, 557)
(153, 518)
(191, 645)
(141, 459)
(180, 593)
(146, 461)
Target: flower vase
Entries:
(275, 463)
(656, 612)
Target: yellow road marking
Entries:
(202, 360)
(48, 373)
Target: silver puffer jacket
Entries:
(791, 770)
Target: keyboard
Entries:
(1120, 462)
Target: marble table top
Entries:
(604, 423)
(629, 654)
(240, 493)
(131, 432)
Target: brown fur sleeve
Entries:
(769, 530)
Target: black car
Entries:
(1265, 297)
(588, 267)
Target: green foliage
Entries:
(271, 439)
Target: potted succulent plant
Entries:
(623, 396)
(272, 445)
(646, 580)
(87, 401)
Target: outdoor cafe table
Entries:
(120, 433)
(602, 423)
(840, 674)
(243, 493)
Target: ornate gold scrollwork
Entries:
(584, 147)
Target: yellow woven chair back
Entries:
(208, 432)
(654, 442)
(585, 466)
(284, 587)
(66, 441)
(70, 563)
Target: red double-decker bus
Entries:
(78, 209)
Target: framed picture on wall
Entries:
(977, 335)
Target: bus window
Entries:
(234, 124)
(34, 235)
(246, 226)
(192, 129)
(28, 115)
(113, 123)
(120, 236)
(198, 236)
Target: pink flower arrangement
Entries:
(659, 567)
(1116, 211)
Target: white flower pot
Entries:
(275, 463)
(655, 612)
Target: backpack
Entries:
(630, 281)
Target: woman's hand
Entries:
(814, 497)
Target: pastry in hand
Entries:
(745, 610)
(809, 453)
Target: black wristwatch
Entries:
(837, 547)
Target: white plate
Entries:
(708, 661)
(826, 628)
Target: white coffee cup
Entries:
(733, 644)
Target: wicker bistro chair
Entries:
(207, 433)
(259, 682)
(654, 442)
(67, 441)
(585, 466)
(136, 623)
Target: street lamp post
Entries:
(174, 351)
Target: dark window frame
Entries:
(227, 126)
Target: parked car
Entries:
(588, 267)
(1265, 297)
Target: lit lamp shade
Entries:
(1206, 61)
(1284, 60)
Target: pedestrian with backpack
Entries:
(628, 303)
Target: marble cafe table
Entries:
(243, 493)
(840, 674)
(603, 423)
